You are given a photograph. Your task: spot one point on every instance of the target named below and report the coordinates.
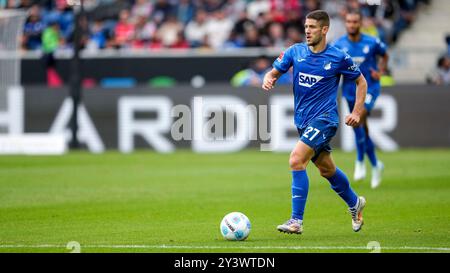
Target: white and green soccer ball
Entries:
(235, 226)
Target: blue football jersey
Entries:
(316, 80)
(364, 53)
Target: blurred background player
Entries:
(317, 69)
(365, 51)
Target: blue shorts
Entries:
(318, 135)
(369, 103)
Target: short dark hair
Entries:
(356, 12)
(320, 16)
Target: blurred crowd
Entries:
(440, 75)
(216, 24)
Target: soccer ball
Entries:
(235, 226)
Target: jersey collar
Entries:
(318, 53)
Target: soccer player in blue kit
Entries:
(317, 71)
(364, 50)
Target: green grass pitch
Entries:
(148, 202)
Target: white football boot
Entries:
(360, 171)
(376, 175)
(291, 226)
(356, 212)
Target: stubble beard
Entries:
(316, 42)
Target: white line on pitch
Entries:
(231, 247)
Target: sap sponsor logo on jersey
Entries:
(358, 60)
(308, 80)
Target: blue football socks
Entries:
(300, 187)
(370, 150)
(360, 137)
(340, 184)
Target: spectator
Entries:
(63, 15)
(143, 32)
(275, 35)
(212, 6)
(161, 10)
(33, 28)
(263, 21)
(156, 43)
(257, 7)
(280, 9)
(142, 8)
(310, 5)
(384, 18)
(97, 37)
(185, 11)
(442, 74)
(293, 36)
(294, 20)
(169, 31)
(251, 37)
(180, 42)
(124, 30)
(235, 8)
(196, 30)
(405, 16)
(51, 39)
(218, 29)
(242, 23)
(234, 41)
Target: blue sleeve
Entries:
(349, 69)
(286, 78)
(380, 48)
(284, 61)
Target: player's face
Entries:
(352, 24)
(314, 32)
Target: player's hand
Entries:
(376, 75)
(268, 82)
(352, 120)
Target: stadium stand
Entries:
(416, 52)
(227, 25)
(204, 23)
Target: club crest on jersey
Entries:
(308, 80)
(366, 49)
(358, 60)
(327, 66)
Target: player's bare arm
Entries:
(270, 79)
(382, 67)
(354, 118)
